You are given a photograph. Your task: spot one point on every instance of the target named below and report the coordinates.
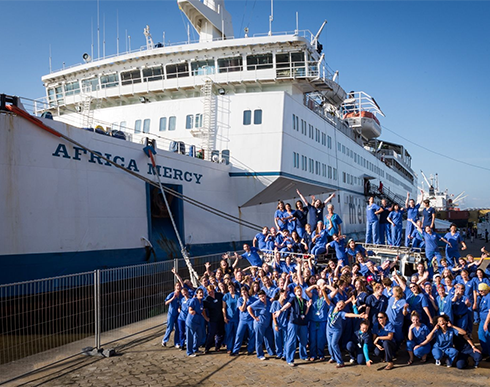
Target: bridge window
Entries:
(109, 80)
(130, 77)
(137, 126)
(203, 67)
(72, 88)
(177, 70)
(226, 65)
(153, 74)
(91, 84)
(259, 62)
(146, 126)
(189, 121)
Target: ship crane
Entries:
(149, 40)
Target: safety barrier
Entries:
(67, 314)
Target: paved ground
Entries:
(142, 361)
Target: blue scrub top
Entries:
(396, 217)
(261, 243)
(394, 311)
(370, 213)
(445, 340)
(335, 321)
(245, 316)
(173, 307)
(484, 307)
(198, 307)
(445, 306)
(431, 241)
(184, 308)
(335, 220)
(427, 213)
(420, 334)
(253, 257)
(319, 307)
(454, 240)
(378, 330)
(262, 311)
(231, 306)
(282, 320)
(413, 213)
(281, 215)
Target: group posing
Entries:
(354, 309)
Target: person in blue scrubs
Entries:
(417, 333)
(280, 323)
(260, 310)
(319, 240)
(184, 311)
(372, 222)
(384, 340)
(444, 303)
(194, 324)
(335, 326)
(443, 335)
(384, 225)
(467, 349)
(245, 323)
(231, 316)
(396, 311)
(333, 222)
(339, 244)
(251, 254)
(484, 316)
(317, 325)
(428, 215)
(375, 303)
(452, 248)
(279, 217)
(297, 325)
(259, 240)
(173, 303)
(301, 217)
(291, 220)
(361, 344)
(412, 214)
(461, 313)
(396, 220)
(431, 247)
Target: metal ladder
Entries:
(208, 131)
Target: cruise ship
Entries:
(225, 126)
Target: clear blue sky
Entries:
(426, 63)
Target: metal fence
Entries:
(94, 309)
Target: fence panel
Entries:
(39, 315)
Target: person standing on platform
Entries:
(372, 222)
(301, 216)
(315, 210)
(333, 223)
(260, 239)
(251, 254)
(396, 220)
(173, 302)
(279, 216)
(428, 215)
(413, 214)
(384, 224)
(452, 249)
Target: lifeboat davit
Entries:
(365, 123)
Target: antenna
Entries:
(315, 39)
(149, 40)
(297, 24)
(271, 17)
(50, 58)
(92, 31)
(103, 35)
(117, 31)
(98, 31)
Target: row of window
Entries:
(257, 117)
(312, 132)
(352, 180)
(181, 70)
(308, 164)
(358, 159)
(398, 182)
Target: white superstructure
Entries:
(264, 114)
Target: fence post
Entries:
(176, 266)
(97, 307)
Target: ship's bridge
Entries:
(180, 71)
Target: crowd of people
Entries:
(351, 309)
